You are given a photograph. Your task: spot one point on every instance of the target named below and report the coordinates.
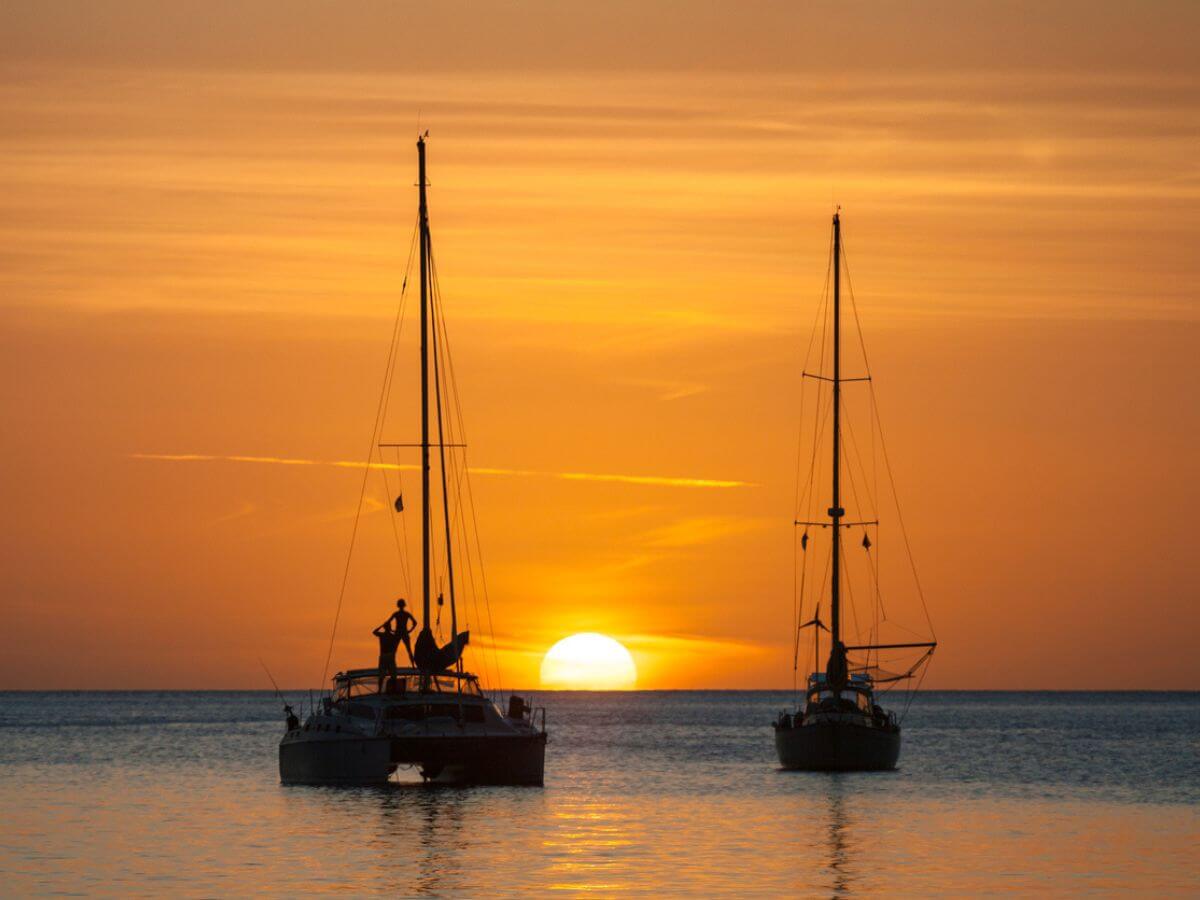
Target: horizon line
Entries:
(528, 690)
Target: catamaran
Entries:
(433, 715)
(839, 724)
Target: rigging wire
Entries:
(798, 589)
(868, 483)
(863, 482)
(821, 305)
(848, 583)
(469, 504)
(886, 459)
(456, 399)
(820, 420)
(446, 511)
(403, 525)
(459, 528)
(809, 514)
(875, 558)
(865, 512)
(379, 412)
(819, 423)
(392, 516)
(877, 428)
(389, 382)
(461, 474)
(441, 348)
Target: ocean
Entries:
(646, 793)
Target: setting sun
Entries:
(588, 662)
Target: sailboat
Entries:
(432, 715)
(839, 725)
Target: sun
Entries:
(588, 662)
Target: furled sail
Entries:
(432, 658)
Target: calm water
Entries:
(156, 793)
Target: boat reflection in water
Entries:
(435, 826)
(841, 864)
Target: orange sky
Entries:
(206, 212)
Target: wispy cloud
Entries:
(677, 644)
(665, 643)
(667, 389)
(650, 480)
(637, 479)
(246, 509)
(697, 531)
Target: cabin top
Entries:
(856, 680)
(403, 682)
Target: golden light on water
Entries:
(588, 662)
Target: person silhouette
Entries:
(389, 640)
(406, 624)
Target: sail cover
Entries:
(432, 658)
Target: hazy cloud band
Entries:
(655, 480)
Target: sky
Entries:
(207, 211)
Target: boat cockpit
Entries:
(403, 684)
(394, 702)
(855, 697)
(856, 694)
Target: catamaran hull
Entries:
(493, 760)
(837, 747)
(335, 760)
(518, 759)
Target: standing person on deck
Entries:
(389, 640)
(406, 624)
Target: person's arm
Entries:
(379, 632)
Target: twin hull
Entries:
(350, 759)
(837, 747)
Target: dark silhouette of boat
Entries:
(839, 724)
(441, 724)
(433, 716)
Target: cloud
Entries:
(650, 480)
(651, 645)
(668, 389)
(694, 531)
(691, 643)
(246, 509)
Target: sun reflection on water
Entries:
(588, 846)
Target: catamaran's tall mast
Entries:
(425, 499)
(835, 510)
(441, 443)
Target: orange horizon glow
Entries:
(207, 221)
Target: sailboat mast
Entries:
(441, 442)
(425, 499)
(817, 638)
(835, 510)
